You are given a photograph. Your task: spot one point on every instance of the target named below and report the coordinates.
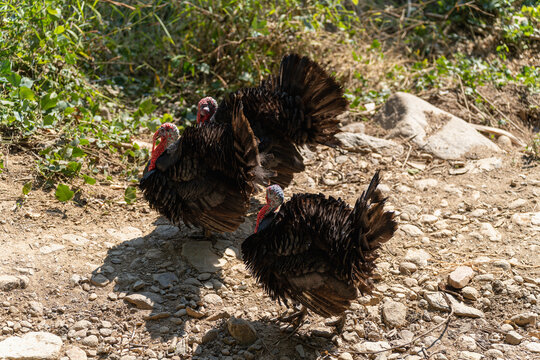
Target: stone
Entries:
(506, 328)
(212, 299)
(521, 219)
(81, 324)
(406, 267)
(418, 257)
(394, 314)
(513, 338)
(410, 117)
(371, 346)
(200, 255)
(241, 330)
(47, 249)
(359, 142)
(468, 355)
(517, 204)
(75, 239)
(126, 233)
(411, 230)
(75, 353)
(437, 301)
(461, 309)
(36, 308)
(355, 127)
(504, 141)
(90, 341)
(460, 277)
(533, 347)
(210, 336)
(525, 319)
(345, 356)
(470, 293)
(166, 279)
(10, 282)
(145, 300)
(300, 350)
(494, 353)
(486, 165)
(99, 280)
(488, 230)
(32, 345)
(194, 313)
(467, 343)
(166, 231)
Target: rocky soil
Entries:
(459, 280)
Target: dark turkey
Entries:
(317, 251)
(204, 178)
(298, 106)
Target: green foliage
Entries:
(130, 195)
(26, 188)
(63, 193)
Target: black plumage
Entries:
(317, 251)
(206, 177)
(298, 106)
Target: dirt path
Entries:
(76, 266)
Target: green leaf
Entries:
(5, 67)
(14, 79)
(26, 93)
(130, 195)
(48, 101)
(63, 193)
(48, 120)
(59, 29)
(89, 180)
(77, 152)
(74, 166)
(147, 107)
(26, 188)
(83, 142)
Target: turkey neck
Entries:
(156, 153)
(265, 217)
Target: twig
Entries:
(496, 131)
(407, 157)
(465, 98)
(117, 3)
(446, 321)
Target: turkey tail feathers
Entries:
(316, 98)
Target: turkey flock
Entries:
(312, 251)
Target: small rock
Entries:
(47, 249)
(212, 299)
(300, 350)
(424, 184)
(204, 276)
(92, 297)
(362, 142)
(81, 325)
(166, 231)
(525, 319)
(533, 347)
(506, 328)
(494, 353)
(461, 309)
(460, 277)
(428, 219)
(517, 204)
(485, 277)
(210, 335)
(138, 285)
(407, 268)
(32, 345)
(99, 280)
(467, 343)
(503, 264)
(10, 282)
(513, 338)
(411, 230)
(200, 255)
(521, 219)
(394, 314)
(157, 316)
(36, 308)
(241, 330)
(75, 239)
(75, 353)
(165, 280)
(418, 257)
(437, 301)
(90, 341)
(345, 356)
(488, 230)
(112, 296)
(370, 346)
(504, 141)
(194, 313)
(468, 355)
(470, 293)
(145, 300)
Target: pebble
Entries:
(461, 309)
(10, 282)
(81, 325)
(468, 355)
(424, 184)
(494, 353)
(300, 350)
(394, 314)
(521, 219)
(75, 353)
(241, 330)
(437, 301)
(488, 230)
(533, 347)
(428, 219)
(32, 345)
(210, 335)
(145, 300)
(370, 346)
(470, 293)
(112, 296)
(345, 356)
(418, 257)
(166, 279)
(204, 276)
(99, 280)
(212, 299)
(194, 313)
(506, 328)
(411, 230)
(525, 319)
(407, 268)
(513, 338)
(90, 341)
(92, 296)
(517, 204)
(467, 343)
(460, 277)
(485, 277)
(503, 264)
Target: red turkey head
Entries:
(167, 134)
(206, 108)
(274, 198)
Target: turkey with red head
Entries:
(317, 251)
(298, 106)
(205, 177)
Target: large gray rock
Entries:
(200, 255)
(33, 345)
(362, 142)
(242, 331)
(10, 282)
(434, 130)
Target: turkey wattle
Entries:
(298, 106)
(317, 251)
(205, 177)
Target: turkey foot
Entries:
(339, 323)
(204, 235)
(296, 319)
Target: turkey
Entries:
(298, 106)
(317, 251)
(206, 176)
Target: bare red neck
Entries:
(156, 152)
(261, 215)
